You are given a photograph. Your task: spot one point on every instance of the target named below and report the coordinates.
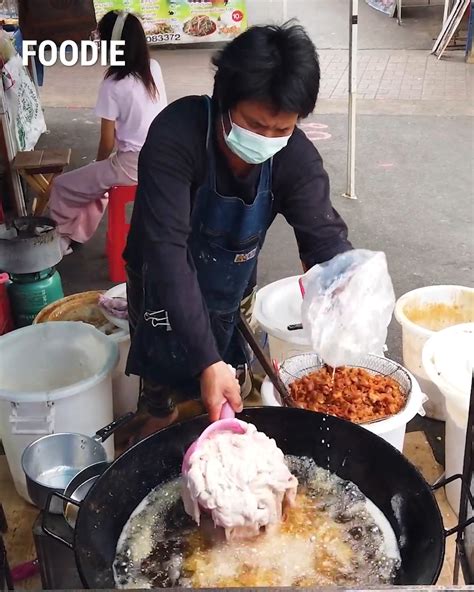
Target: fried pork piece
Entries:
(350, 393)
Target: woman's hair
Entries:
(274, 64)
(136, 55)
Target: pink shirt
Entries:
(128, 103)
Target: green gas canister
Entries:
(29, 252)
(31, 292)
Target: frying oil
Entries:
(333, 536)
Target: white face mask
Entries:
(251, 147)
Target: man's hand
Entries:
(219, 385)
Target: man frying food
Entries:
(213, 175)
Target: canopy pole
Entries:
(351, 131)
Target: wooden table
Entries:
(39, 168)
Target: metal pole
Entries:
(470, 37)
(447, 6)
(285, 10)
(351, 133)
(10, 145)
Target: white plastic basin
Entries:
(448, 359)
(54, 377)
(84, 307)
(125, 388)
(422, 313)
(277, 306)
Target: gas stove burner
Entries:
(31, 226)
(29, 244)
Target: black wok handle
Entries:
(277, 382)
(44, 525)
(297, 327)
(464, 524)
(108, 430)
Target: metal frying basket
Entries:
(303, 364)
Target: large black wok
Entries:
(380, 471)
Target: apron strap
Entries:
(209, 120)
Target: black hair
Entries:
(136, 54)
(274, 64)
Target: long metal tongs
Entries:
(277, 382)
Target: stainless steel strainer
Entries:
(303, 364)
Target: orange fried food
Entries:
(350, 393)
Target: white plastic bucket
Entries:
(125, 388)
(392, 430)
(448, 359)
(84, 307)
(54, 377)
(277, 306)
(443, 306)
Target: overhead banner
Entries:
(183, 21)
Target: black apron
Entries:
(226, 238)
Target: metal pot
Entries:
(50, 462)
(78, 488)
(383, 474)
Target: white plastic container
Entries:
(392, 429)
(126, 389)
(448, 359)
(84, 307)
(441, 306)
(54, 377)
(277, 306)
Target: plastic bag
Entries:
(23, 105)
(347, 306)
(7, 49)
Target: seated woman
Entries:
(130, 97)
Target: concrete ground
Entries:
(327, 22)
(414, 146)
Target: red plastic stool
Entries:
(117, 230)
